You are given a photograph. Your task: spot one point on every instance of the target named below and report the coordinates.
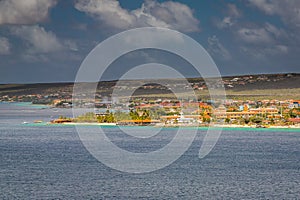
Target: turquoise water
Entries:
(41, 161)
(30, 105)
(187, 128)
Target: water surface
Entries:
(50, 162)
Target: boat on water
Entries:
(260, 126)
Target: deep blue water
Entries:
(50, 162)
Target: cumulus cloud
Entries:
(231, 18)
(217, 49)
(152, 13)
(255, 35)
(265, 40)
(38, 39)
(40, 45)
(4, 46)
(264, 5)
(233, 11)
(266, 34)
(261, 49)
(264, 53)
(226, 22)
(24, 11)
(287, 10)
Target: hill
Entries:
(277, 86)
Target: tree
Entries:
(107, 118)
(227, 120)
(293, 113)
(88, 117)
(257, 120)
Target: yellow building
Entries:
(220, 114)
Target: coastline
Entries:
(253, 126)
(88, 124)
(229, 126)
(27, 104)
(160, 125)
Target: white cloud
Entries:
(231, 18)
(167, 14)
(40, 45)
(284, 40)
(263, 41)
(258, 41)
(4, 46)
(233, 11)
(264, 53)
(71, 45)
(108, 11)
(255, 35)
(287, 10)
(24, 11)
(262, 35)
(265, 5)
(38, 39)
(226, 22)
(217, 49)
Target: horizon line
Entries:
(114, 80)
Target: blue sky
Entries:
(47, 40)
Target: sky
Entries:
(47, 40)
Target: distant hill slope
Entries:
(287, 81)
(233, 84)
(38, 88)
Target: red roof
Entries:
(295, 120)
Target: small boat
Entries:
(38, 121)
(25, 123)
(260, 126)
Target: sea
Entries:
(40, 161)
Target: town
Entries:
(233, 113)
(277, 107)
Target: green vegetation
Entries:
(227, 120)
(140, 114)
(108, 117)
(279, 94)
(88, 117)
(120, 116)
(256, 119)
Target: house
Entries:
(294, 120)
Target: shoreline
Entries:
(159, 125)
(87, 124)
(291, 127)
